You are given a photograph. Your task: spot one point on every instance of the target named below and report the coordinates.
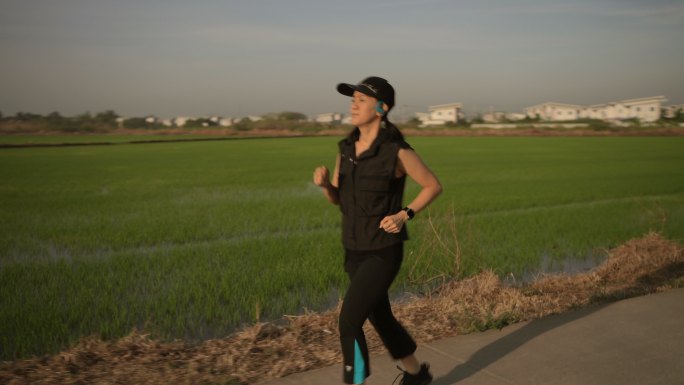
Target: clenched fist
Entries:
(321, 176)
(394, 223)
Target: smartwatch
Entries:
(409, 212)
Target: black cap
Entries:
(374, 86)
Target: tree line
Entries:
(109, 120)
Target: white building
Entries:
(440, 114)
(644, 109)
(423, 117)
(330, 117)
(671, 110)
(554, 111)
(596, 111)
(225, 122)
(221, 121)
(493, 117)
(180, 121)
(513, 116)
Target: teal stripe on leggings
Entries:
(359, 365)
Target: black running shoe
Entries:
(421, 378)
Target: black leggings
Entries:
(371, 274)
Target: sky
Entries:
(236, 58)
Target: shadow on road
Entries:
(481, 359)
(496, 350)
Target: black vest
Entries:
(369, 191)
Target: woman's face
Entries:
(362, 109)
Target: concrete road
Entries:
(635, 341)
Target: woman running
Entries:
(368, 185)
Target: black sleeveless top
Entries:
(369, 191)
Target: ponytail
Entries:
(392, 130)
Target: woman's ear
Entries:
(381, 108)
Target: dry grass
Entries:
(266, 350)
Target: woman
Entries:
(368, 185)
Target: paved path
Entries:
(635, 341)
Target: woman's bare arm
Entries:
(411, 164)
(321, 178)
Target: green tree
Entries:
(135, 123)
(107, 117)
(414, 121)
(54, 116)
(292, 116)
(271, 116)
(83, 119)
(243, 125)
(477, 119)
(55, 120)
(27, 117)
(200, 122)
(679, 115)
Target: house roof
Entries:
(649, 99)
(555, 104)
(442, 106)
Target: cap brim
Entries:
(348, 89)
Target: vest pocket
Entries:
(374, 195)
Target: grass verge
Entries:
(298, 343)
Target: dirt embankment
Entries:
(641, 266)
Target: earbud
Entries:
(378, 108)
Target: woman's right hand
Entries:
(321, 176)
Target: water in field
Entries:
(551, 265)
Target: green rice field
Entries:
(38, 140)
(192, 240)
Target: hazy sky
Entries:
(234, 58)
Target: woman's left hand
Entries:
(394, 223)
